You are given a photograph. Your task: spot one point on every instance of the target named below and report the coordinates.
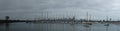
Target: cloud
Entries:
(57, 8)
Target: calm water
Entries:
(57, 27)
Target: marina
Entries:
(21, 26)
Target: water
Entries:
(57, 27)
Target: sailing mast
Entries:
(87, 16)
(106, 18)
(47, 16)
(90, 17)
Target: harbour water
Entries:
(21, 26)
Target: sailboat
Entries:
(88, 19)
(107, 24)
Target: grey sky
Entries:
(29, 9)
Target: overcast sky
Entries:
(30, 9)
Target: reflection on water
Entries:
(57, 27)
(87, 27)
(7, 26)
